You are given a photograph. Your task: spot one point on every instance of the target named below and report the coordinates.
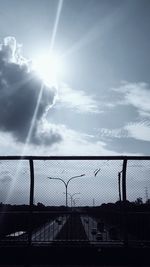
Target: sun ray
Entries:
(59, 8)
(20, 164)
(52, 42)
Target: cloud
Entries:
(137, 130)
(113, 133)
(80, 143)
(137, 126)
(48, 133)
(137, 95)
(77, 100)
(73, 143)
(24, 99)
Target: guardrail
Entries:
(121, 222)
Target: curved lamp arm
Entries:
(74, 178)
(58, 179)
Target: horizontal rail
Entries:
(119, 157)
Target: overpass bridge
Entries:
(94, 232)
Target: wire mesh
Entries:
(138, 180)
(98, 185)
(74, 200)
(138, 185)
(14, 198)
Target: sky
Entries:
(94, 97)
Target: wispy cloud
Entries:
(113, 133)
(79, 143)
(137, 130)
(137, 95)
(77, 100)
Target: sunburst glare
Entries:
(49, 68)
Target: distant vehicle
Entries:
(94, 231)
(99, 236)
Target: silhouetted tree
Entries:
(39, 204)
(139, 201)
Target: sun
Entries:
(49, 67)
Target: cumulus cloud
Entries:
(48, 132)
(22, 93)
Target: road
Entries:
(75, 226)
(90, 226)
(50, 230)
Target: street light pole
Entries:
(74, 201)
(71, 196)
(66, 184)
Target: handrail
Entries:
(118, 157)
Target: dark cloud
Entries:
(20, 91)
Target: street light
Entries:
(71, 196)
(74, 201)
(66, 183)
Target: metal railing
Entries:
(121, 223)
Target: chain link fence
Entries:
(81, 200)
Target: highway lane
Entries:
(90, 226)
(68, 227)
(73, 229)
(50, 230)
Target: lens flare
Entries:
(49, 68)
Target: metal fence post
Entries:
(31, 203)
(119, 185)
(124, 170)
(124, 198)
